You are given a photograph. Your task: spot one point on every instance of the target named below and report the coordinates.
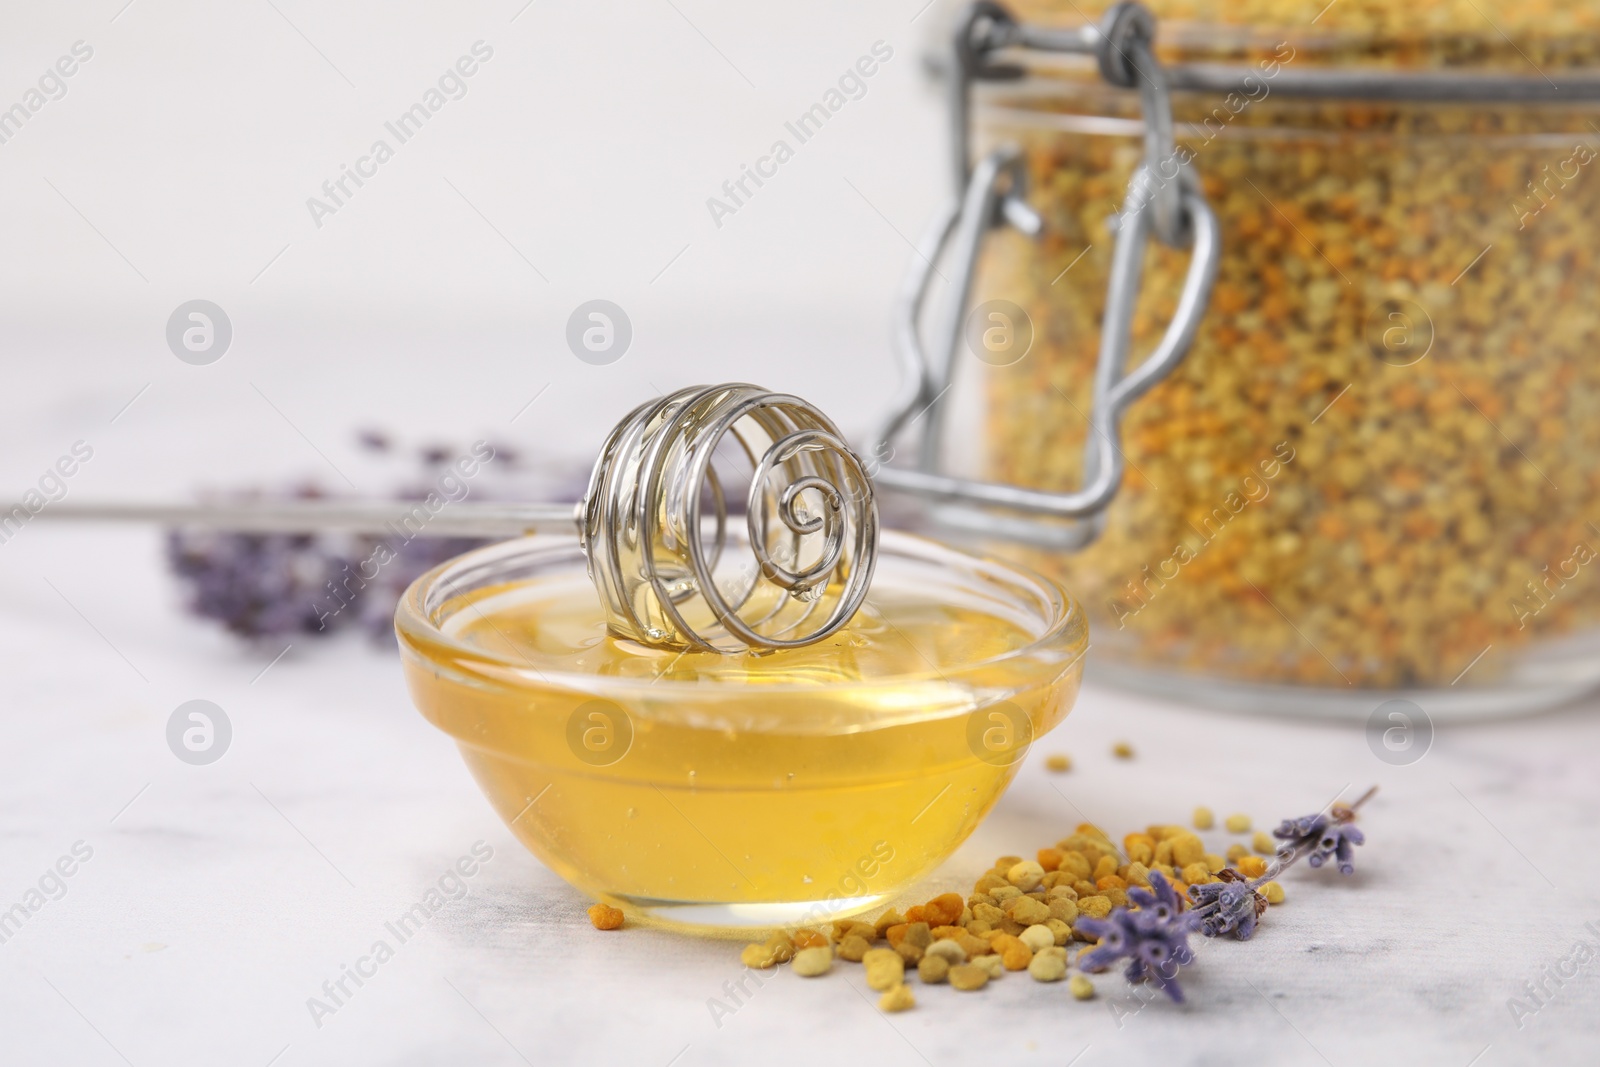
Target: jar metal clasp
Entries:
(1164, 200)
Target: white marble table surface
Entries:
(218, 899)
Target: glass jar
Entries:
(1373, 471)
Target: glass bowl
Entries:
(720, 792)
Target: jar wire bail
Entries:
(1164, 200)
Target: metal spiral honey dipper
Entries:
(811, 522)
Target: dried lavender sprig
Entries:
(1320, 837)
(1231, 905)
(271, 585)
(1153, 937)
(1234, 904)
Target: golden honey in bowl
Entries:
(757, 789)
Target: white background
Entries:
(179, 163)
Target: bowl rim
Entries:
(415, 628)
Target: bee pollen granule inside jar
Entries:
(1341, 218)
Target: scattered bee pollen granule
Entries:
(853, 947)
(1237, 824)
(1252, 866)
(1096, 907)
(1029, 911)
(1203, 819)
(1037, 937)
(1264, 843)
(605, 917)
(812, 962)
(897, 999)
(1122, 750)
(1020, 915)
(968, 977)
(1058, 762)
(1048, 966)
(991, 964)
(806, 938)
(1187, 848)
(885, 969)
(777, 949)
(1025, 875)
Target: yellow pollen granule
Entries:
(811, 962)
(968, 977)
(1048, 967)
(885, 969)
(1025, 875)
(1037, 938)
(1252, 866)
(775, 950)
(897, 999)
(853, 947)
(1096, 907)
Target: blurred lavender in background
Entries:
(261, 586)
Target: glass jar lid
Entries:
(1533, 37)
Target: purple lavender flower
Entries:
(1160, 901)
(373, 440)
(1320, 838)
(1230, 905)
(1335, 843)
(274, 585)
(1153, 938)
(1300, 833)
